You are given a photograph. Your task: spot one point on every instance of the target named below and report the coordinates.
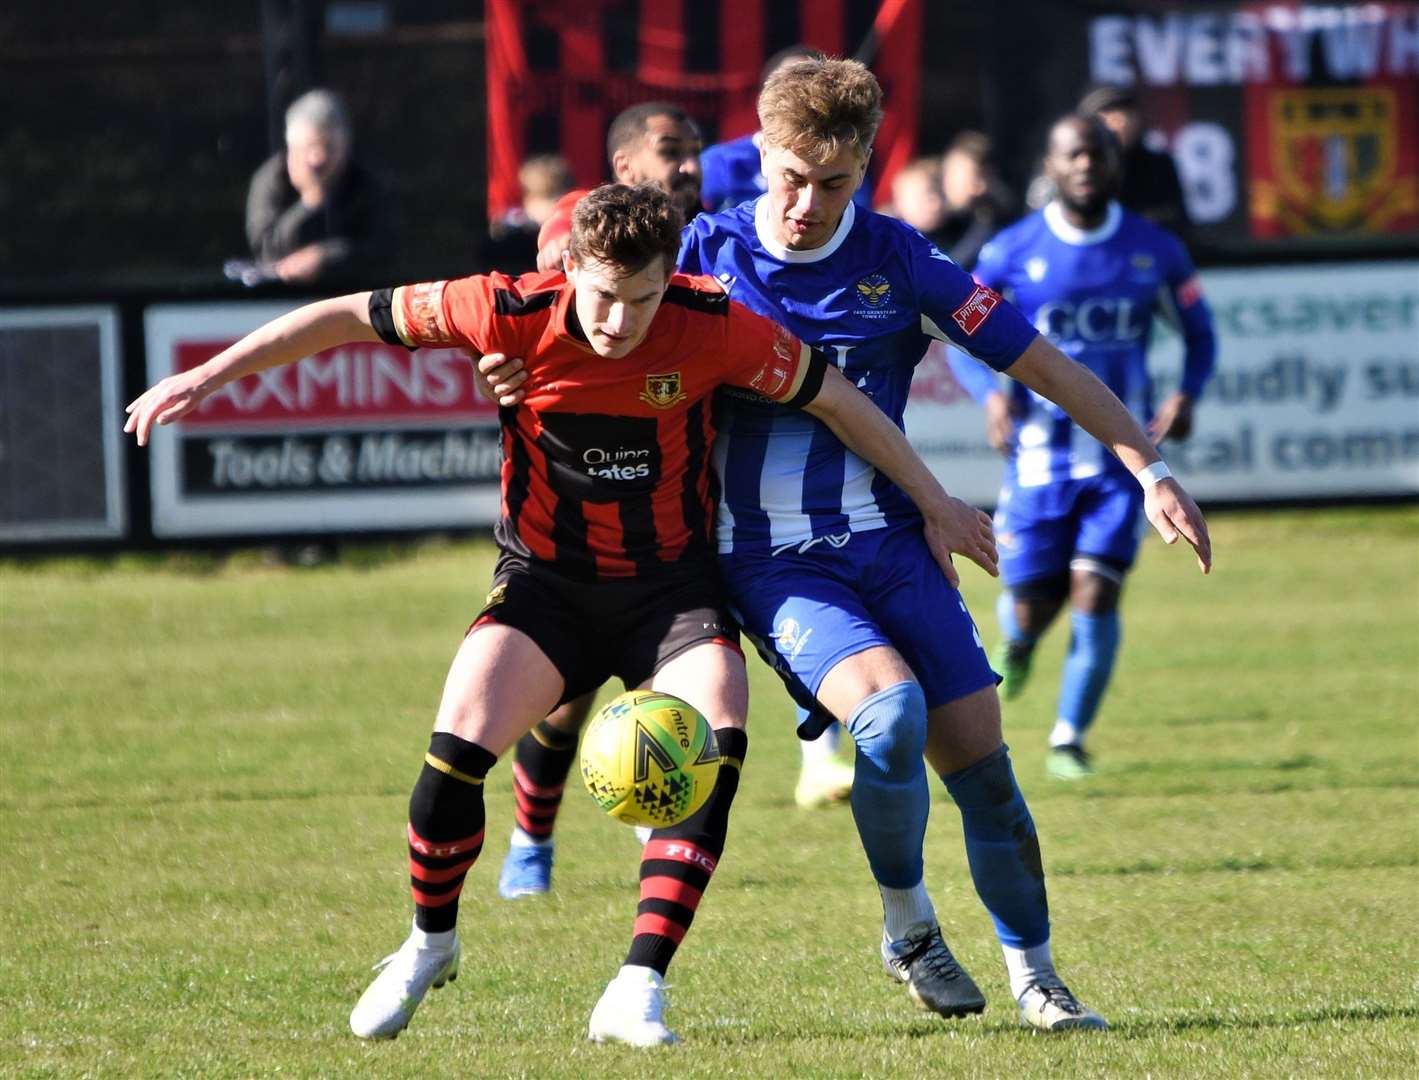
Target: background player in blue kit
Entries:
(1093, 277)
(825, 559)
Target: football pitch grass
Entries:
(206, 766)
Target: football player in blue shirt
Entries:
(826, 561)
(1092, 276)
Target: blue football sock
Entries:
(1002, 849)
(1093, 644)
(890, 795)
(1009, 625)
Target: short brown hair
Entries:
(626, 227)
(816, 106)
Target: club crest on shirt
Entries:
(1144, 268)
(663, 391)
(875, 293)
(1036, 268)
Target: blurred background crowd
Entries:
(425, 138)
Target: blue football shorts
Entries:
(1040, 530)
(807, 610)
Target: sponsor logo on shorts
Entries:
(971, 315)
(791, 637)
(663, 391)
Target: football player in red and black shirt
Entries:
(606, 565)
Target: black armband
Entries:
(382, 317)
(812, 380)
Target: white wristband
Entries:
(1151, 474)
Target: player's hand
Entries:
(550, 257)
(500, 378)
(1173, 513)
(1173, 420)
(999, 424)
(166, 401)
(958, 528)
(301, 266)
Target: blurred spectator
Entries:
(976, 202)
(512, 238)
(1150, 185)
(310, 209)
(732, 171)
(544, 179)
(917, 198)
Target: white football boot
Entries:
(388, 1004)
(630, 1010)
(822, 783)
(1051, 1007)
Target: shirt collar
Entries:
(1071, 234)
(783, 254)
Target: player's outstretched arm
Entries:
(1075, 389)
(952, 526)
(307, 330)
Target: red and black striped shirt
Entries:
(606, 469)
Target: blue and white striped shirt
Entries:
(871, 298)
(1094, 294)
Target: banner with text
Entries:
(363, 437)
(1293, 125)
(1316, 393)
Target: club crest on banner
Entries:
(1333, 156)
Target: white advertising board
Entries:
(363, 437)
(1316, 393)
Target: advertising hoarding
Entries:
(367, 436)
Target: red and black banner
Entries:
(560, 70)
(1293, 125)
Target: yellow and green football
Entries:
(649, 758)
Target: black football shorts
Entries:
(629, 628)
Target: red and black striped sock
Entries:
(677, 863)
(445, 827)
(539, 774)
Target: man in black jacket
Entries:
(1150, 185)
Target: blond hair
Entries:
(817, 106)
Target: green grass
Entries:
(205, 764)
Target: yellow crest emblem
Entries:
(496, 595)
(875, 289)
(663, 391)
